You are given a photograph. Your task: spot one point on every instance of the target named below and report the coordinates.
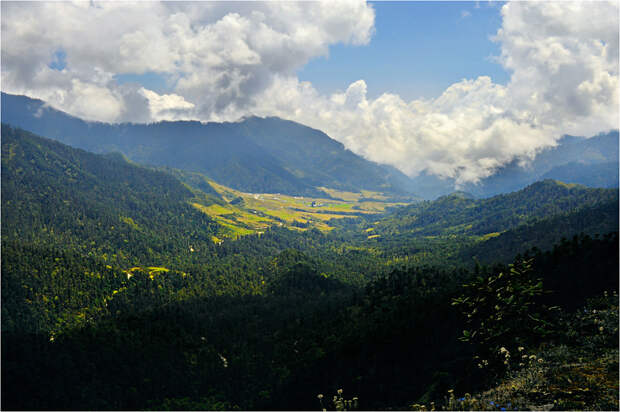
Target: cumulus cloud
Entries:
(564, 79)
(227, 60)
(167, 106)
(218, 55)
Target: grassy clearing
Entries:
(259, 211)
(354, 196)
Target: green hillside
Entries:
(94, 220)
(454, 214)
(54, 193)
(454, 229)
(597, 219)
(129, 288)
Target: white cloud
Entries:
(219, 55)
(226, 60)
(167, 106)
(564, 79)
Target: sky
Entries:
(455, 89)
(417, 50)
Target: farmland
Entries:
(241, 213)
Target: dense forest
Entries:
(116, 296)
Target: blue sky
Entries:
(418, 50)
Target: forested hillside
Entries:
(456, 229)
(102, 218)
(118, 294)
(457, 213)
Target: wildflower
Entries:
(532, 357)
(540, 360)
(224, 360)
(600, 329)
(320, 396)
(520, 348)
(503, 350)
(339, 391)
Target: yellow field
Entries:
(259, 211)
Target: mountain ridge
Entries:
(268, 155)
(256, 154)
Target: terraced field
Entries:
(246, 213)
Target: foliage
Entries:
(501, 311)
(339, 402)
(114, 296)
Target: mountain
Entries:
(57, 195)
(79, 228)
(265, 155)
(591, 162)
(115, 297)
(593, 220)
(460, 214)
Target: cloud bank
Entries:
(226, 60)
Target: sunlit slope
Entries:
(460, 214)
(243, 213)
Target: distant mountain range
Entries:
(268, 155)
(591, 162)
(272, 155)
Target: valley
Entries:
(309, 205)
(249, 213)
(148, 286)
